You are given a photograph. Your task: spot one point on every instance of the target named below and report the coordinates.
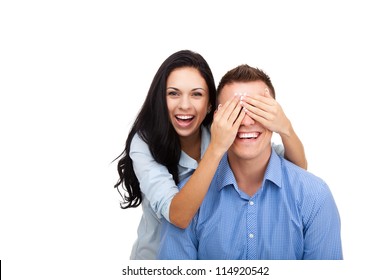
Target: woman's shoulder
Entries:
(138, 144)
(279, 149)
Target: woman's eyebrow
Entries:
(199, 88)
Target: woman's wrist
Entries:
(216, 150)
(288, 131)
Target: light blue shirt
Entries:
(158, 188)
(292, 216)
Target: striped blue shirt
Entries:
(292, 216)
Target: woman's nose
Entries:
(185, 103)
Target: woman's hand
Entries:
(227, 120)
(267, 111)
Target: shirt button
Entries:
(251, 235)
(251, 202)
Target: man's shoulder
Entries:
(309, 190)
(301, 177)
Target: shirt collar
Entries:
(205, 140)
(224, 175)
(273, 173)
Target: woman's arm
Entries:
(293, 147)
(269, 113)
(223, 132)
(157, 184)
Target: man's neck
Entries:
(249, 173)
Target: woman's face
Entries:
(187, 100)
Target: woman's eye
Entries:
(173, 93)
(197, 94)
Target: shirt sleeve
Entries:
(156, 183)
(322, 230)
(177, 243)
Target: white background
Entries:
(73, 75)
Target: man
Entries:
(259, 205)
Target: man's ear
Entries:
(267, 93)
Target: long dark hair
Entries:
(154, 127)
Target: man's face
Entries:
(253, 141)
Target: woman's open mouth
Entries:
(184, 120)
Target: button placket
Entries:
(251, 230)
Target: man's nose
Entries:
(247, 120)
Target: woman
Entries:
(170, 140)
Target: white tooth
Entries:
(184, 117)
(247, 135)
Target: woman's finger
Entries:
(225, 110)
